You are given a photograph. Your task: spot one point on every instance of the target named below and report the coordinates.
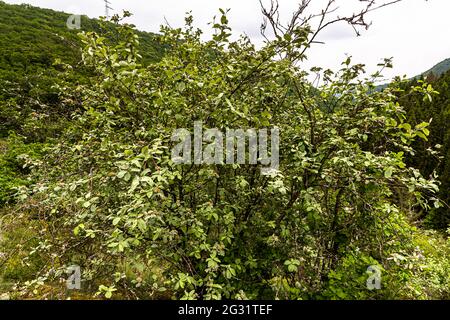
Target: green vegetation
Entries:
(36, 52)
(95, 184)
(437, 111)
(31, 41)
(35, 48)
(15, 156)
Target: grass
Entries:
(3, 146)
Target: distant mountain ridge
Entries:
(439, 69)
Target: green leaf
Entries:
(388, 173)
(121, 174)
(134, 184)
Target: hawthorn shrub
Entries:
(110, 199)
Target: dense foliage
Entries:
(31, 40)
(34, 46)
(107, 196)
(437, 111)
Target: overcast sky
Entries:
(414, 32)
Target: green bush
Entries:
(16, 160)
(104, 193)
(109, 191)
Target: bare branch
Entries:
(301, 19)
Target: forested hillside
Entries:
(438, 112)
(35, 45)
(350, 209)
(439, 69)
(435, 72)
(31, 40)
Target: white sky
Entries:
(414, 32)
